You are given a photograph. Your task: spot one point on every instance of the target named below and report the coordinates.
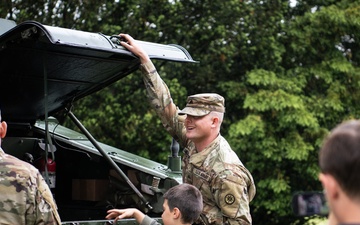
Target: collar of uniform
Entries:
(198, 159)
(1, 151)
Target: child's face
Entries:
(166, 216)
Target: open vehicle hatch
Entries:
(44, 69)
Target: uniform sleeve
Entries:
(160, 99)
(45, 207)
(231, 195)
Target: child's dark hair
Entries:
(188, 199)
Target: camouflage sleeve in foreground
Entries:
(25, 197)
(159, 97)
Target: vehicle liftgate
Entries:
(44, 69)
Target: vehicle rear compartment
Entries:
(85, 185)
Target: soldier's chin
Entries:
(190, 134)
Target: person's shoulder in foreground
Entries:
(182, 205)
(24, 195)
(339, 161)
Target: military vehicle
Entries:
(44, 70)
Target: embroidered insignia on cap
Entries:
(229, 199)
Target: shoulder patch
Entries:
(229, 199)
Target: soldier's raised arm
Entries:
(157, 91)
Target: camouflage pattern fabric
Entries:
(25, 197)
(226, 185)
(203, 104)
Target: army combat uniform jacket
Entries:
(226, 185)
(25, 198)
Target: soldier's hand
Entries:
(131, 44)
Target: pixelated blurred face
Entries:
(198, 128)
(167, 214)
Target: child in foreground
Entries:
(183, 204)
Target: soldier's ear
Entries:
(3, 129)
(214, 121)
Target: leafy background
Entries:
(289, 72)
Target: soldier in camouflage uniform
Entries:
(209, 163)
(25, 198)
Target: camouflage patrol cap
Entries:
(203, 104)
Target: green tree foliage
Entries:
(289, 74)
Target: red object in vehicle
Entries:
(51, 168)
